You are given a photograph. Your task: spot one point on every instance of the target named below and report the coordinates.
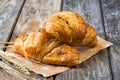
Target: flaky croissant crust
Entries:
(70, 28)
(53, 43)
(35, 45)
(63, 55)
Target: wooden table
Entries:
(104, 15)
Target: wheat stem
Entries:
(6, 42)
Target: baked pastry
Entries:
(35, 45)
(54, 43)
(39, 46)
(71, 28)
(63, 55)
(18, 44)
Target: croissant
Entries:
(35, 45)
(53, 43)
(63, 55)
(41, 47)
(18, 44)
(71, 28)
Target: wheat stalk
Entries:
(7, 43)
(18, 66)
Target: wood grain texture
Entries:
(33, 15)
(35, 11)
(97, 67)
(9, 11)
(111, 18)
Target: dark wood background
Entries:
(104, 15)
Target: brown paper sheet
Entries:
(49, 70)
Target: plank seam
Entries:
(61, 5)
(14, 24)
(61, 9)
(103, 24)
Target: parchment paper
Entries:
(49, 70)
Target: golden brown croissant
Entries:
(41, 47)
(18, 45)
(49, 45)
(62, 55)
(70, 28)
(35, 45)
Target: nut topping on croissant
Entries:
(70, 28)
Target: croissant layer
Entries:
(70, 28)
(62, 55)
(35, 46)
(54, 44)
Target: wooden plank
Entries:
(111, 16)
(97, 67)
(9, 12)
(35, 12)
